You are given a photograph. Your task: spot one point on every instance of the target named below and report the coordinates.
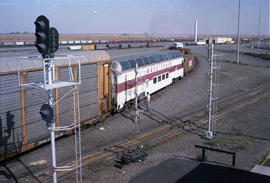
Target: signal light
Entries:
(46, 112)
(53, 41)
(42, 35)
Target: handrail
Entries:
(217, 150)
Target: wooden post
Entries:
(233, 160)
(203, 154)
(110, 87)
(75, 72)
(100, 88)
(24, 139)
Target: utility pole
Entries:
(238, 34)
(49, 65)
(209, 132)
(259, 25)
(196, 31)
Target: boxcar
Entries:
(21, 126)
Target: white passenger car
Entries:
(155, 72)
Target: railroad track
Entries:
(167, 129)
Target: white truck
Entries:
(178, 45)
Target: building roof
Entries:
(188, 171)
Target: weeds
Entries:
(263, 56)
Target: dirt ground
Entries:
(185, 95)
(72, 37)
(241, 131)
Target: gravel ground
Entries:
(185, 95)
(232, 135)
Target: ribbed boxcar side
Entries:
(65, 105)
(189, 64)
(29, 130)
(10, 135)
(35, 126)
(88, 92)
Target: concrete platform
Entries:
(188, 171)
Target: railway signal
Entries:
(42, 35)
(53, 41)
(46, 112)
(47, 38)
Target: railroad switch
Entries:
(131, 156)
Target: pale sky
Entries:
(136, 16)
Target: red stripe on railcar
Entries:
(131, 83)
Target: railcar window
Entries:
(139, 62)
(132, 63)
(178, 54)
(125, 65)
(151, 59)
(167, 56)
(114, 65)
(161, 58)
(172, 55)
(163, 76)
(155, 80)
(156, 58)
(167, 75)
(159, 78)
(145, 60)
(186, 52)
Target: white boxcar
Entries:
(79, 47)
(19, 43)
(178, 45)
(63, 42)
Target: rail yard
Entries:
(176, 122)
(135, 91)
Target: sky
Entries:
(136, 16)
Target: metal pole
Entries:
(136, 93)
(50, 78)
(269, 25)
(196, 31)
(210, 41)
(209, 133)
(259, 24)
(238, 34)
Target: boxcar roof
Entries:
(10, 64)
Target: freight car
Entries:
(21, 126)
(106, 84)
(154, 72)
(189, 62)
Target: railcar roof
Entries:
(134, 55)
(130, 61)
(9, 64)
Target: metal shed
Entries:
(21, 127)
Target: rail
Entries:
(217, 150)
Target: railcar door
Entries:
(104, 89)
